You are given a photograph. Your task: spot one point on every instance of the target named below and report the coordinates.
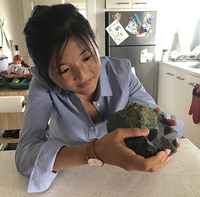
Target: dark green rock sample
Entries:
(161, 136)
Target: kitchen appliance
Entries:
(132, 47)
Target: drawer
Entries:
(140, 4)
(118, 4)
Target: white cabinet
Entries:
(175, 88)
(119, 4)
(170, 89)
(142, 4)
(135, 4)
(192, 130)
(161, 86)
(180, 94)
(166, 88)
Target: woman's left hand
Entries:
(171, 123)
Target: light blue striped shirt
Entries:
(70, 123)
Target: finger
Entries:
(177, 143)
(131, 132)
(158, 110)
(168, 158)
(172, 122)
(156, 162)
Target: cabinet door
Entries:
(145, 4)
(118, 3)
(166, 88)
(192, 130)
(170, 90)
(180, 94)
(161, 85)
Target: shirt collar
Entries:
(104, 85)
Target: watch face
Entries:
(95, 162)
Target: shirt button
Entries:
(98, 104)
(91, 128)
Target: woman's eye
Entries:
(87, 58)
(64, 71)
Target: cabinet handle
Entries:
(191, 84)
(170, 74)
(140, 3)
(182, 79)
(122, 3)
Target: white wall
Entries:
(100, 25)
(178, 16)
(173, 16)
(12, 12)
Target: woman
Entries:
(78, 91)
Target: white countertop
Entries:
(181, 177)
(188, 66)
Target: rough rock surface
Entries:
(161, 136)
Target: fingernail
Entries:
(169, 158)
(145, 131)
(168, 151)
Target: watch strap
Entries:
(90, 149)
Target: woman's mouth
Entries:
(85, 84)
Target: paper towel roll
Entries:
(3, 65)
(11, 104)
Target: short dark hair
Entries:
(48, 31)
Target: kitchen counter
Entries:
(11, 121)
(190, 67)
(181, 177)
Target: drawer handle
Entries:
(170, 74)
(123, 3)
(182, 79)
(191, 84)
(140, 3)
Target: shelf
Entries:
(5, 141)
(8, 140)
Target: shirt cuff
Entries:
(42, 175)
(180, 128)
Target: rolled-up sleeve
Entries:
(35, 154)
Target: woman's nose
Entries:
(81, 71)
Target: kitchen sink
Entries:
(194, 66)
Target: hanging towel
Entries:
(195, 105)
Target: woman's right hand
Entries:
(111, 149)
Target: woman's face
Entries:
(79, 70)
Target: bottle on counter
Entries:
(17, 57)
(165, 55)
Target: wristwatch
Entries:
(91, 157)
